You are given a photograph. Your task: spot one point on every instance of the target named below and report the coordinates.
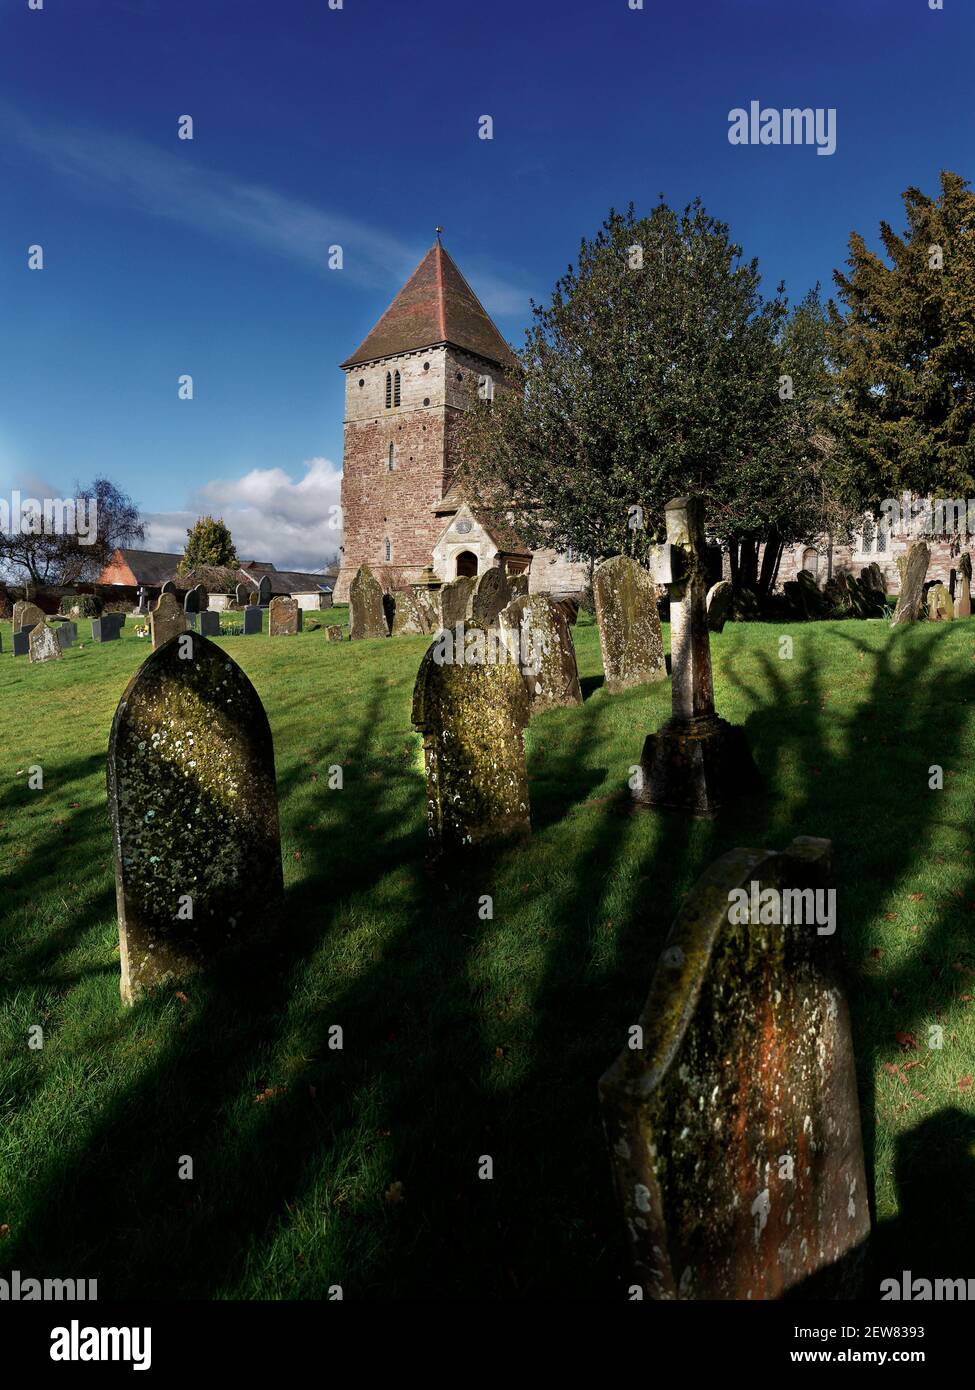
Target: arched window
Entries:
(391, 458)
(882, 528)
(389, 389)
(396, 396)
(866, 546)
(810, 561)
(387, 551)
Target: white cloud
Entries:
(271, 516)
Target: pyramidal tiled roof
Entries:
(436, 305)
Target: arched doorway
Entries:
(466, 564)
(810, 561)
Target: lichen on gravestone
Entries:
(193, 805)
(630, 639)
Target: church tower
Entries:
(406, 388)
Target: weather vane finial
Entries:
(439, 230)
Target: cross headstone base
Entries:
(697, 766)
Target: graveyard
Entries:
(466, 1030)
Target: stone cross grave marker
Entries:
(367, 613)
(166, 620)
(142, 595)
(537, 633)
(630, 640)
(697, 762)
(734, 1126)
(473, 718)
(284, 617)
(194, 812)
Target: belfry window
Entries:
(387, 551)
(396, 396)
(389, 389)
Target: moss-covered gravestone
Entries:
(732, 1115)
(721, 597)
(283, 617)
(43, 644)
(367, 613)
(912, 568)
(26, 615)
(410, 615)
(193, 803)
(536, 630)
(456, 600)
(472, 715)
(629, 626)
(940, 605)
(166, 620)
(168, 588)
(491, 594)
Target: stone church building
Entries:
(406, 388)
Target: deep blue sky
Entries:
(359, 126)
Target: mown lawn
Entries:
(462, 1037)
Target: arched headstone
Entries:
(264, 591)
(367, 613)
(166, 620)
(283, 617)
(537, 631)
(630, 639)
(472, 716)
(732, 1115)
(43, 644)
(193, 803)
(168, 588)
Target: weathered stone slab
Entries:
(284, 617)
(26, 615)
(196, 600)
(209, 623)
(472, 717)
(242, 594)
(367, 612)
(253, 619)
(912, 568)
(264, 591)
(720, 599)
(873, 576)
(193, 803)
(630, 639)
(21, 641)
(166, 620)
(43, 644)
(66, 634)
(517, 586)
(940, 605)
(107, 628)
(168, 588)
(734, 1129)
(334, 633)
(456, 599)
(963, 601)
(535, 628)
(492, 593)
(409, 616)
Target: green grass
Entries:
(462, 1037)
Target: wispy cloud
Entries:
(271, 516)
(136, 174)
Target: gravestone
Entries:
(912, 568)
(517, 586)
(367, 614)
(409, 615)
(630, 640)
(456, 600)
(142, 607)
(168, 588)
(734, 1131)
(166, 620)
(570, 608)
(241, 594)
(696, 763)
(264, 591)
(43, 644)
(66, 634)
(811, 597)
(491, 594)
(952, 581)
(195, 600)
(940, 606)
(107, 628)
(537, 633)
(255, 599)
(429, 600)
(26, 615)
(194, 812)
(253, 619)
(21, 641)
(473, 718)
(873, 576)
(209, 623)
(963, 603)
(334, 633)
(283, 617)
(719, 600)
